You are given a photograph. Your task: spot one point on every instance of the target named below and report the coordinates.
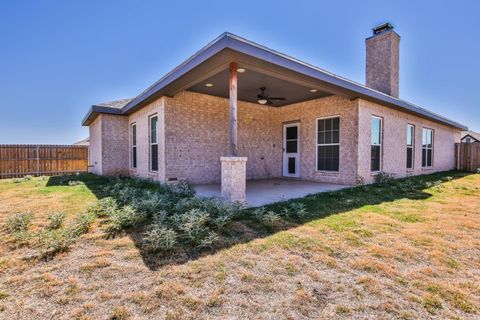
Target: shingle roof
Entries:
(117, 104)
(473, 134)
(241, 46)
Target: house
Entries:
(470, 137)
(83, 142)
(237, 111)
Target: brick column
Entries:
(234, 178)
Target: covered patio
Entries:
(267, 191)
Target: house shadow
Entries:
(246, 228)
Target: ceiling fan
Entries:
(263, 98)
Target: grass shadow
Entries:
(246, 228)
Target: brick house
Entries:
(237, 111)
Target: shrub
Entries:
(360, 180)
(52, 242)
(385, 178)
(207, 241)
(82, 224)
(19, 222)
(160, 238)
(73, 183)
(17, 180)
(28, 177)
(125, 217)
(103, 207)
(192, 224)
(56, 220)
(298, 209)
(181, 189)
(269, 218)
(151, 202)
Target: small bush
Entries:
(269, 218)
(73, 183)
(82, 224)
(19, 222)
(17, 180)
(192, 225)
(181, 189)
(55, 221)
(125, 217)
(384, 178)
(103, 207)
(360, 181)
(51, 242)
(160, 238)
(298, 209)
(28, 177)
(432, 303)
(207, 241)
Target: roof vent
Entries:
(382, 28)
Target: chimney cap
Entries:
(382, 28)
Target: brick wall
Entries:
(141, 119)
(95, 146)
(394, 142)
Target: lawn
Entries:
(408, 249)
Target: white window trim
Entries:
(326, 144)
(380, 144)
(427, 148)
(134, 124)
(409, 125)
(150, 144)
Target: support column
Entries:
(234, 178)
(233, 108)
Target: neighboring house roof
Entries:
(472, 134)
(229, 47)
(84, 142)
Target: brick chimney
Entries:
(383, 60)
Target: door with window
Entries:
(291, 150)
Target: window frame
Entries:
(133, 146)
(150, 144)
(412, 146)
(432, 148)
(327, 144)
(380, 166)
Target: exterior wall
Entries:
(95, 147)
(394, 156)
(307, 114)
(197, 133)
(108, 153)
(141, 119)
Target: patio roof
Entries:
(211, 63)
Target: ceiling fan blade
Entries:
(276, 98)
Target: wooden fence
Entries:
(41, 160)
(467, 156)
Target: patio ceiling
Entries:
(249, 83)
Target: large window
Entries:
(328, 144)
(133, 133)
(410, 145)
(153, 143)
(427, 148)
(376, 144)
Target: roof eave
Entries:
(96, 110)
(244, 46)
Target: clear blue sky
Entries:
(59, 57)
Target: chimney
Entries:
(383, 60)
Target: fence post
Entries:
(38, 160)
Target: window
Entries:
(328, 144)
(468, 140)
(133, 133)
(410, 145)
(376, 144)
(427, 148)
(153, 143)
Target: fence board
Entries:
(467, 156)
(41, 160)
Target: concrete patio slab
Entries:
(262, 192)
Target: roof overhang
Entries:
(96, 110)
(216, 56)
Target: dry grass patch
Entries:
(408, 250)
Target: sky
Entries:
(57, 58)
